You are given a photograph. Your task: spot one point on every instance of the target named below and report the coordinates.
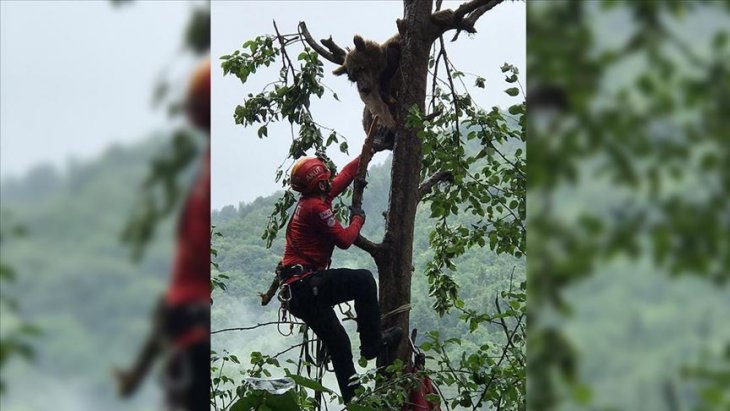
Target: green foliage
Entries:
(290, 100)
(197, 33)
(484, 155)
(16, 334)
(106, 300)
(161, 191)
(217, 279)
(625, 127)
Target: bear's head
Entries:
(365, 64)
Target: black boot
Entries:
(390, 338)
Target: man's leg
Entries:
(329, 329)
(339, 285)
(321, 318)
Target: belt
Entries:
(294, 272)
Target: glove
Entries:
(355, 212)
(383, 139)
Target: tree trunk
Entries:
(395, 261)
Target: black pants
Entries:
(187, 371)
(312, 301)
(187, 378)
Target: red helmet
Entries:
(307, 172)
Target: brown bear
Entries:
(375, 68)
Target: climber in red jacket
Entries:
(313, 287)
(181, 321)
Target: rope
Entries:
(402, 309)
(282, 315)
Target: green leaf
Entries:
(516, 109)
(283, 402)
(512, 91)
(247, 403)
(311, 384)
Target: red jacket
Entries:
(314, 230)
(191, 270)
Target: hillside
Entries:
(76, 281)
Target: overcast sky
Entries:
(78, 76)
(243, 167)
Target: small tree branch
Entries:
(335, 54)
(293, 347)
(256, 326)
(365, 156)
(447, 65)
(367, 245)
(269, 294)
(505, 350)
(427, 185)
(359, 185)
(474, 5)
(338, 51)
(463, 18)
(284, 56)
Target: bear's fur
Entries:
(375, 68)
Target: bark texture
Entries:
(395, 262)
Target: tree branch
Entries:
(269, 294)
(256, 326)
(335, 54)
(366, 245)
(428, 184)
(359, 186)
(365, 156)
(447, 65)
(338, 51)
(284, 56)
(463, 18)
(473, 5)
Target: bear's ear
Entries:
(340, 70)
(359, 43)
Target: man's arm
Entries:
(344, 177)
(326, 223)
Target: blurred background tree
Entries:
(628, 202)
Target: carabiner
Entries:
(284, 290)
